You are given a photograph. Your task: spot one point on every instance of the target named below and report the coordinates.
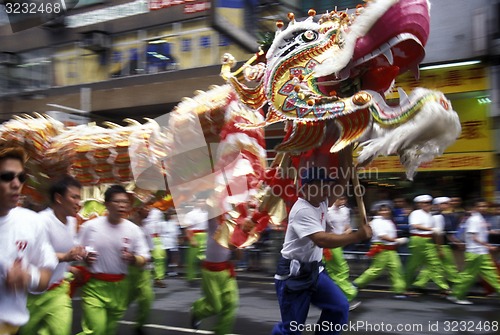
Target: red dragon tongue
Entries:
(405, 18)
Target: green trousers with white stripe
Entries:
(449, 267)
(220, 298)
(51, 312)
(476, 265)
(141, 291)
(338, 269)
(423, 252)
(386, 259)
(103, 304)
(195, 254)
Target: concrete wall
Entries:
(460, 29)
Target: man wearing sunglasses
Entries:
(27, 259)
(51, 312)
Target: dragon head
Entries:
(314, 67)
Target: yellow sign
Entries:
(476, 126)
(454, 80)
(446, 162)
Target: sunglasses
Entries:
(9, 176)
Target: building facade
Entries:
(137, 58)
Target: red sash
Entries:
(108, 277)
(55, 285)
(327, 254)
(376, 248)
(219, 266)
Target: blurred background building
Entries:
(108, 60)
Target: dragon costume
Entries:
(324, 77)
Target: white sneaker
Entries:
(459, 301)
(464, 302)
(354, 304)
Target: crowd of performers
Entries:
(117, 258)
(439, 240)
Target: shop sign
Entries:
(446, 162)
(191, 6)
(454, 80)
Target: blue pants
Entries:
(294, 307)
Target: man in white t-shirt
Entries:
(300, 279)
(384, 252)
(478, 259)
(117, 244)
(155, 224)
(26, 259)
(423, 250)
(196, 222)
(339, 218)
(170, 238)
(51, 312)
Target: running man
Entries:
(116, 243)
(27, 259)
(51, 312)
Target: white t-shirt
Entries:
(147, 236)
(439, 221)
(62, 237)
(339, 218)
(109, 240)
(22, 236)
(171, 233)
(304, 219)
(154, 224)
(421, 217)
(476, 224)
(383, 227)
(197, 219)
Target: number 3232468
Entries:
(35, 7)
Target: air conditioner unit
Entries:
(96, 41)
(9, 59)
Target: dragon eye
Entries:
(309, 36)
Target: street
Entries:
(379, 313)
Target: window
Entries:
(205, 42)
(159, 57)
(35, 70)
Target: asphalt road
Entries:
(379, 313)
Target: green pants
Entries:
(423, 252)
(195, 254)
(159, 255)
(142, 292)
(220, 298)
(338, 269)
(103, 305)
(386, 259)
(476, 265)
(449, 268)
(51, 313)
